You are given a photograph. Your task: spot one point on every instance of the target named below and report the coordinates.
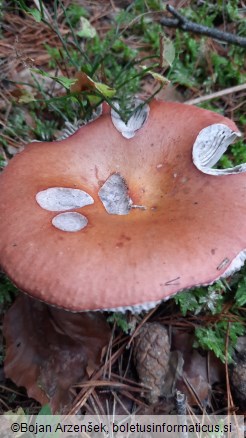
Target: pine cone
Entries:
(151, 355)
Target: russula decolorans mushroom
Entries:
(119, 216)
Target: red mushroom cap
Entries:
(188, 229)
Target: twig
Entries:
(180, 403)
(216, 94)
(183, 23)
(230, 403)
(181, 412)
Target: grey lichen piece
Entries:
(63, 198)
(136, 121)
(114, 195)
(210, 145)
(70, 221)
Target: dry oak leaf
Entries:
(238, 373)
(195, 371)
(48, 350)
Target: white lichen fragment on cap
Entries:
(70, 221)
(210, 145)
(114, 195)
(135, 122)
(63, 198)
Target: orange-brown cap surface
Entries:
(188, 230)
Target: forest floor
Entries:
(42, 48)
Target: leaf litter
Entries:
(104, 373)
(48, 350)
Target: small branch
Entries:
(181, 406)
(220, 93)
(180, 403)
(183, 23)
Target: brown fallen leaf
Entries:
(83, 83)
(48, 350)
(238, 373)
(196, 373)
